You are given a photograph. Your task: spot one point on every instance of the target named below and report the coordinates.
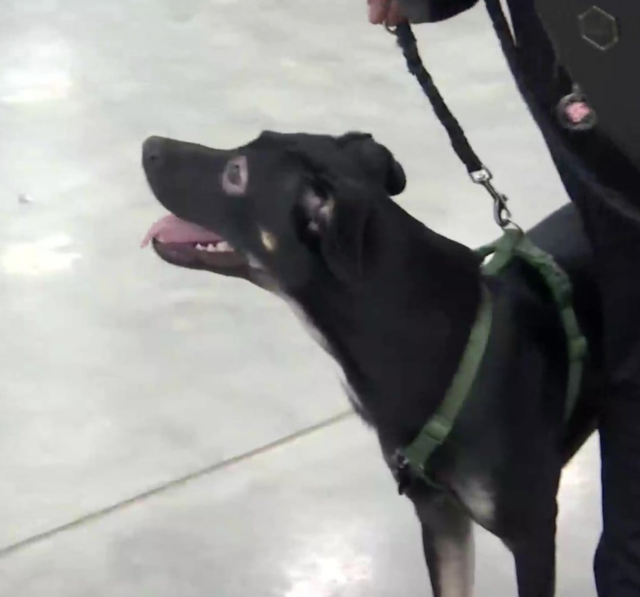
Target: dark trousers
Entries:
(613, 225)
(614, 229)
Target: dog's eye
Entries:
(235, 176)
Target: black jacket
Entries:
(436, 10)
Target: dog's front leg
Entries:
(535, 557)
(447, 537)
(530, 534)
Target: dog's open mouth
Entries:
(189, 245)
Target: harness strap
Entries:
(415, 456)
(514, 243)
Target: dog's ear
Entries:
(339, 219)
(376, 160)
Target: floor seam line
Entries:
(175, 483)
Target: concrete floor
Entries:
(128, 386)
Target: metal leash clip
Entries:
(501, 211)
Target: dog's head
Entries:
(277, 211)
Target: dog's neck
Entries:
(399, 335)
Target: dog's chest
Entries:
(473, 492)
(320, 339)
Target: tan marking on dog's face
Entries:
(268, 240)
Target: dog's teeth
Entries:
(224, 246)
(199, 247)
(211, 248)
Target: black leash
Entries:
(408, 44)
(478, 172)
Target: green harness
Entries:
(414, 458)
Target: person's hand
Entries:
(385, 12)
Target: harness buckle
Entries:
(401, 472)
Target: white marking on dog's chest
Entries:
(479, 499)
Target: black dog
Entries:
(310, 218)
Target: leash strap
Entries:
(409, 46)
(414, 457)
(479, 173)
(514, 243)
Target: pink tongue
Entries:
(172, 229)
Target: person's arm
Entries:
(417, 11)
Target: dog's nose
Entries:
(152, 151)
